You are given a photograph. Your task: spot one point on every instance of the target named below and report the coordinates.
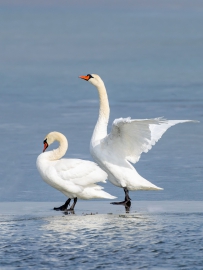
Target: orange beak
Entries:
(86, 78)
(45, 146)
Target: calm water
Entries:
(150, 58)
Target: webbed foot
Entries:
(63, 207)
(71, 209)
(126, 203)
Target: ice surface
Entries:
(155, 235)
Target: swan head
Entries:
(93, 79)
(49, 139)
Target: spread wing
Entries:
(130, 137)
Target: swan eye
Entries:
(45, 141)
(90, 76)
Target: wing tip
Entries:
(194, 121)
(113, 197)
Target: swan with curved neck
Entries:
(124, 144)
(75, 178)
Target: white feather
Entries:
(73, 177)
(128, 139)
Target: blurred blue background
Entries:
(149, 54)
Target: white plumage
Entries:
(75, 178)
(126, 142)
(130, 137)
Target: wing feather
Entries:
(130, 137)
(80, 172)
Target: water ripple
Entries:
(138, 241)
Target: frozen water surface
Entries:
(154, 235)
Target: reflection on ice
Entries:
(99, 223)
(34, 234)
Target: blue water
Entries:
(150, 58)
(158, 235)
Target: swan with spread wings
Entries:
(128, 139)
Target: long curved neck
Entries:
(61, 150)
(100, 130)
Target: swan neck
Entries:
(100, 130)
(61, 150)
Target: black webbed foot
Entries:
(63, 207)
(118, 203)
(71, 209)
(126, 202)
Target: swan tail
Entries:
(145, 188)
(96, 192)
(152, 188)
(144, 184)
(105, 195)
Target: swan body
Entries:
(75, 178)
(114, 152)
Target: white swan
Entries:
(127, 140)
(75, 178)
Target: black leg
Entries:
(72, 206)
(74, 203)
(126, 202)
(64, 206)
(127, 207)
(127, 198)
